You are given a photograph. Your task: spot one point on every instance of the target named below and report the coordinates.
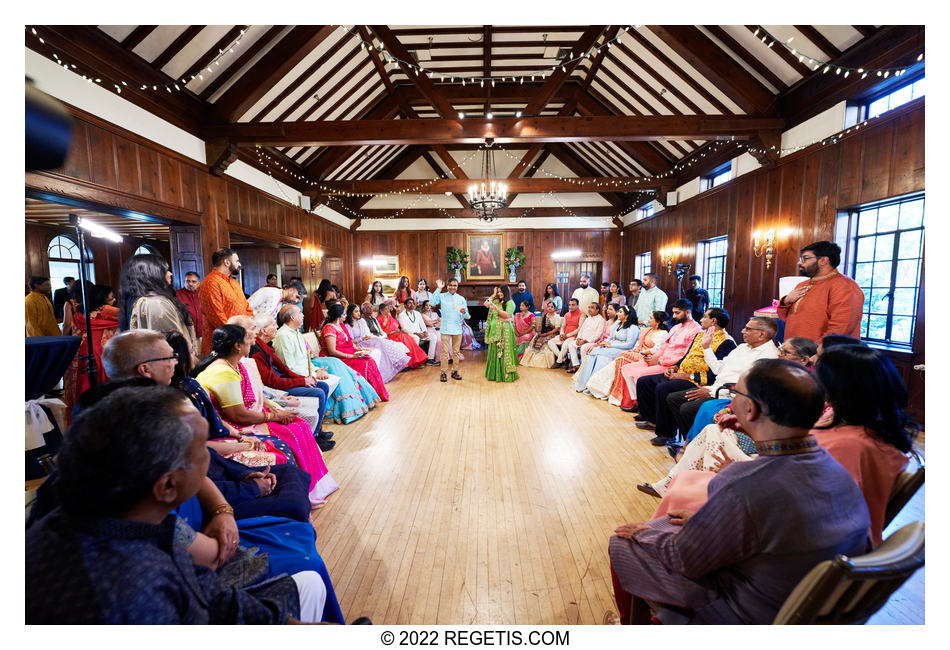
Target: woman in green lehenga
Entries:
(502, 362)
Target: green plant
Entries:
(458, 259)
(514, 257)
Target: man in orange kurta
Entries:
(826, 303)
(221, 295)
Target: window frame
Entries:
(54, 259)
(708, 181)
(639, 268)
(848, 229)
(866, 105)
(703, 257)
(646, 211)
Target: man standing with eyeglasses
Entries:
(828, 302)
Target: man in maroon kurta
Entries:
(188, 295)
(826, 303)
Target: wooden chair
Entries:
(905, 487)
(312, 341)
(845, 590)
(841, 591)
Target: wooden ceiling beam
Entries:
(819, 40)
(246, 56)
(442, 106)
(507, 92)
(176, 46)
(786, 56)
(506, 129)
(629, 53)
(559, 76)
(393, 169)
(486, 64)
(269, 70)
(582, 185)
(685, 78)
(326, 159)
(865, 30)
(751, 60)
(137, 36)
(476, 44)
(708, 58)
(894, 46)
(306, 75)
(459, 213)
(215, 50)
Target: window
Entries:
(645, 212)
(888, 250)
(642, 265)
(895, 98)
(716, 177)
(63, 253)
(711, 264)
(145, 249)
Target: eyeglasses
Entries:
(757, 329)
(746, 395)
(174, 356)
(805, 258)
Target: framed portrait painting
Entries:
(386, 264)
(486, 256)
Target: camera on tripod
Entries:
(681, 270)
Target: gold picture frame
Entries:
(490, 265)
(386, 265)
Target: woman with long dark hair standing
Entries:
(402, 292)
(502, 361)
(146, 300)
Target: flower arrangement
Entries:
(514, 257)
(458, 259)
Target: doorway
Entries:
(568, 275)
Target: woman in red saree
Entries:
(524, 328)
(104, 319)
(337, 342)
(390, 325)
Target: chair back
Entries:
(906, 485)
(312, 342)
(847, 590)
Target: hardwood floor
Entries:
(474, 502)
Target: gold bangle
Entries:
(223, 509)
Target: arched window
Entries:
(63, 253)
(145, 249)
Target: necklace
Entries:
(234, 366)
(786, 446)
(412, 319)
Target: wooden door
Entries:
(568, 275)
(290, 264)
(185, 245)
(333, 271)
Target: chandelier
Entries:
(490, 194)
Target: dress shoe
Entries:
(630, 409)
(649, 426)
(646, 488)
(572, 370)
(658, 441)
(443, 378)
(640, 418)
(326, 435)
(456, 375)
(326, 445)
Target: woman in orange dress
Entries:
(390, 325)
(651, 340)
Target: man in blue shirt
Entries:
(454, 309)
(523, 295)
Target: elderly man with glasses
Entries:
(757, 344)
(828, 302)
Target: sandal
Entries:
(646, 488)
(443, 378)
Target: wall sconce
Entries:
(769, 249)
(666, 257)
(314, 256)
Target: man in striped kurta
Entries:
(221, 295)
(767, 522)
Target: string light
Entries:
(885, 72)
(168, 86)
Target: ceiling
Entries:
(269, 74)
(56, 214)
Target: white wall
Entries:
(470, 224)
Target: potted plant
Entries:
(514, 259)
(458, 259)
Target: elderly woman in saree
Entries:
(393, 356)
(601, 382)
(538, 354)
(234, 384)
(524, 327)
(623, 336)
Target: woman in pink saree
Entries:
(236, 390)
(603, 382)
(524, 328)
(337, 342)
